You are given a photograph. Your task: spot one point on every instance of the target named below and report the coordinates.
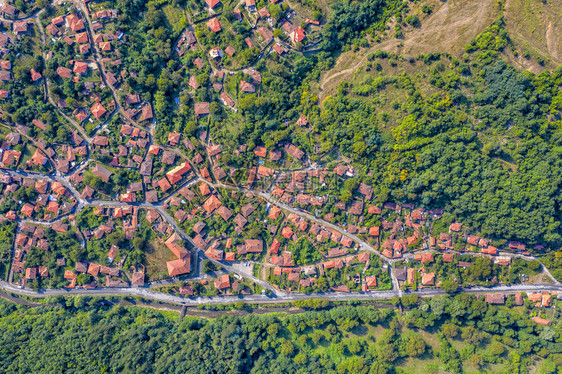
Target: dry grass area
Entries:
(535, 27)
(156, 257)
(448, 28)
(541, 278)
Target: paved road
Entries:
(335, 296)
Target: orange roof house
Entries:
(226, 99)
(214, 25)
(39, 124)
(53, 207)
(175, 175)
(278, 48)
(542, 321)
(254, 245)
(297, 35)
(76, 24)
(302, 121)
(490, 250)
(41, 186)
(84, 48)
(502, 260)
(347, 242)
(35, 76)
(202, 108)
(371, 281)
(211, 204)
(179, 266)
(38, 158)
(69, 274)
(27, 209)
(31, 273)
(154, 150)
(274, 212)
(448, 257)
(80, 67)
(424, 257)
(496, 298)
(247, 87)
(105, 46)
(363, 257)
(98, 110)
(214, 253)
(8, 9)
(11, 157)
(173, 244)
(456, 227)
(411, 276)
(265, 171)
(174, 138)
(58, 188)
(222, 282)
(82, 38)
(204, 189)
(260, 151)
(212, 3)
(19, 27)
(94, 269)
(100, 140)
(287, 232)
(428, 279)
(275, 246)
(546, 299)
(164, 184)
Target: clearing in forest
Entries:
(449, 27)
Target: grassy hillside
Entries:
(446, 27)
(535, 27)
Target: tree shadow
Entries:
(360, 330)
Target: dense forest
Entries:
(454, 334)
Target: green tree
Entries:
(415, 346)
(449, 285)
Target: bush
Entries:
(413, 20)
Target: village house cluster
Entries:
(122, 201)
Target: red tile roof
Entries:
(179, 266)
(35, 76)
(212, 3)
(214, 25)
(98, 110)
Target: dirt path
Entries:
(553, 42)
(451, 25)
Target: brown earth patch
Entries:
(447, 29)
